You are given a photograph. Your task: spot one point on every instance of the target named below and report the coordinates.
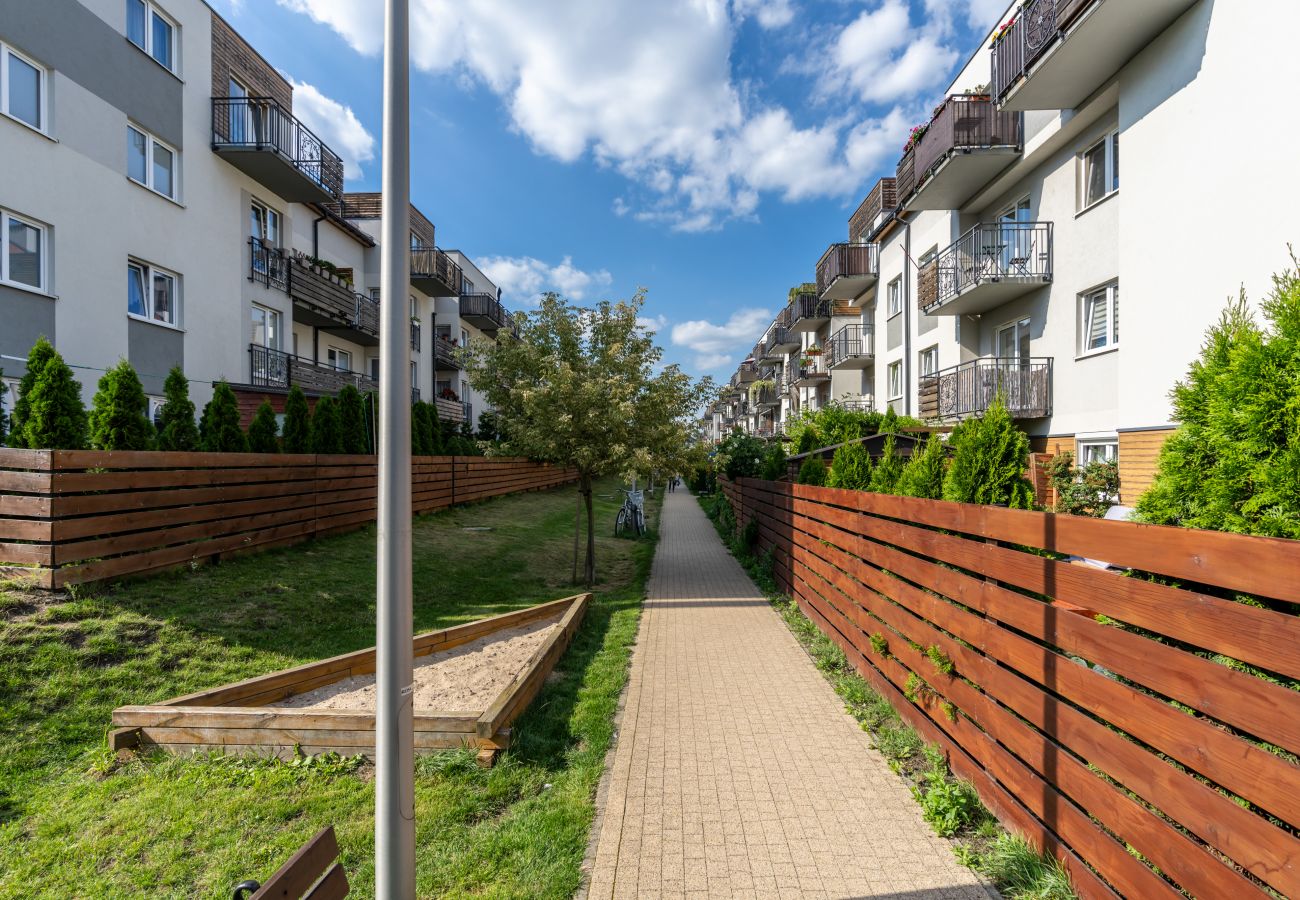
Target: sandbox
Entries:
(471, 682)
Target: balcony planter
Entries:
(813, 351)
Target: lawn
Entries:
(74, 822)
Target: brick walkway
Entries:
(737, 772)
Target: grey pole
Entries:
(394, 736)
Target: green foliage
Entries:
(989, 459)
(297, 422)
(51, 415)
(879, 644)
(939, 659)
(923, 474)
(1022, 873)
(489, 428)
(219, 430)
(774, 463)
(949, 806)
(421, 430)
(749, 536)
(326, 430)
(352, 421)
(884, 477)
(807, 442)
(1089, 491)
(813, 471)
(850, 468)
(4, 420)
(263, 432)
(119, 415)
(177, 429)
(741, 455)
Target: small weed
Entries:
(942, 664)
(1022, 873)
(949, 711)
(879, 644)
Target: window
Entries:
(464, 338)
(895, 296)
(1094, 450)
(374, 367)
(22, 88)
(23, 261)
(155, 410)
(929, 360)
(415, 241)
(150, 162)
(151, 294)
(266, 327)
(8, 397)
(339, 359)
(152, 32)
(1099, 171)
(895, 380)
(264, 224)
(1099, 320)
(466, 286)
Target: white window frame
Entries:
(43, 85)
(8, 398)
(894, 380)
(152, 143)
(1110, 156)
(148, 271)
(269, 214)
(279, 327)
(894, 298)
(335, 352)
(932, 354)
(1111, 299)
(152, 10)
(155, 407)
(43, 287)
(1109, 443)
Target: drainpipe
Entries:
(315, 234)
(907, 318)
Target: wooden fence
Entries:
(1143, 728)
(73, 516)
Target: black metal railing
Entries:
(261, 123)
(430, 262)
(267, 265)
(988, 253)
(444, 353)
(847, 261)
(277, 369)
(415, 336)
(1036, 27)
(1024, 385)
(850, 342)
(810, 306)
(813, 367)
(483, 306)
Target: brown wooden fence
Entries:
(73, 516)
(1109, 716)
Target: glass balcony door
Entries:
(1012, 374)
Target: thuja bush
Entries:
(219, 430)
(774, 463)
(326, 435)
(923, 474)
(50, 414)
(119, 415)
(988, 461)
(177, 430)
(352, 421)
(297, 422)
(40, 354)
(813, 471)
(263, 432)
(884, 477)
(850, 468)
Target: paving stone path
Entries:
(737, 772)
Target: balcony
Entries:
(969, 389)
(325, 300)
(450, 410)
(811, 372)
(965, 145)
(264, 141)
(484, 312)
(268, 265)
(871, 213)
(778, 343)
(766, 397)
(858, 403)
(846, 270)
(986, 267)
(444, 354)
(809, 312)
(1057, 53)
(434, 272)
(852, 347)
(280, 370)
(747, 372)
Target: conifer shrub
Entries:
(850, 467)
(436, 437)
(922, 476)
(813, 471)
(177, 430)
(884, 477)
(4, 419)
(40, 354)
(219, 430)
(326, 435)
(808, 441)
(774, 463)
(297, 422)
(988, 461)
(352, 421)
(53, 416)
(421, 442)
(263, 432)
(119, 414)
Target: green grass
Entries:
(75, 822)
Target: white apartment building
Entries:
(994, 261)
(146, 139)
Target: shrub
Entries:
(808, 441)
(37, 358)
(850, 468)
(53, 416)
(326, 434)
(436, 434)
(219, 430)
(4, 389)
(988, 463)
(884, 477)
(922, 476)
(263, 432)
(419, 430)
(352, 421)
(177, 429)
(297, 422)
(948, 805)
(741, 455)
(774, 463)
(119, 415)
(813, 471)
(1089, 491)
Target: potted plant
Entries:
(814, 350)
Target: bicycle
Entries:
(631, 515)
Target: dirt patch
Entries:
(463, 679)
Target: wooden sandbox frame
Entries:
(236, 718)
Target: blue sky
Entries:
(706, 150)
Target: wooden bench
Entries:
(313, 873)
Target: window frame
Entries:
(932, 352)
(43, 266)
(42, 87)
(148, 272)
(894, 297)
(278, 330)
(1109, 142)
(1110, 294)
(1109, 454)
(330, 349)
(151, 143)
(894, 373)
(151, 11)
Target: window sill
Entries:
(150, 57)
(1113, 348)
(155, 192)
(155, 322)
(1091, 206)
(28, 289)
(30, 127)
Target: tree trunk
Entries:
(577, 529)
(591, 533)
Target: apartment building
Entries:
(146, 138)
(992, 262)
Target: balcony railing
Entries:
(987, 266)
(812, 369)
(267, 265)
(906, 174)
(444, 354)
(435, 272)
(484, 312)
(809, 310)
(449, 410)
(969, 389)
(766, 397)
(882, 199)
(851, 343)
(286, 155)
(856, 404)
(330, 297)
(850, 268)
(277, 369)
(962, 126)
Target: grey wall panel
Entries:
(894, 332)
(23, 318)
(152, 350)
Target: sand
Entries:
(466, 679)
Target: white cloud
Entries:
(524, 279)
(335, 124)
(770, 14)
(653, 324)
(881, 57)
(714, 345)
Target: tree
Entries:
(884, 477)
(53, 416)
(421, 441)
(263, 433)
(326, 435)
(37, 358)
(297, 422)
(219, 430)
(119, 414)
(923, 474)
(988, 461)
(583, 388)
(774, 464)
(850, 467)
(176, 426)
(352, 421)
(813, 471)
